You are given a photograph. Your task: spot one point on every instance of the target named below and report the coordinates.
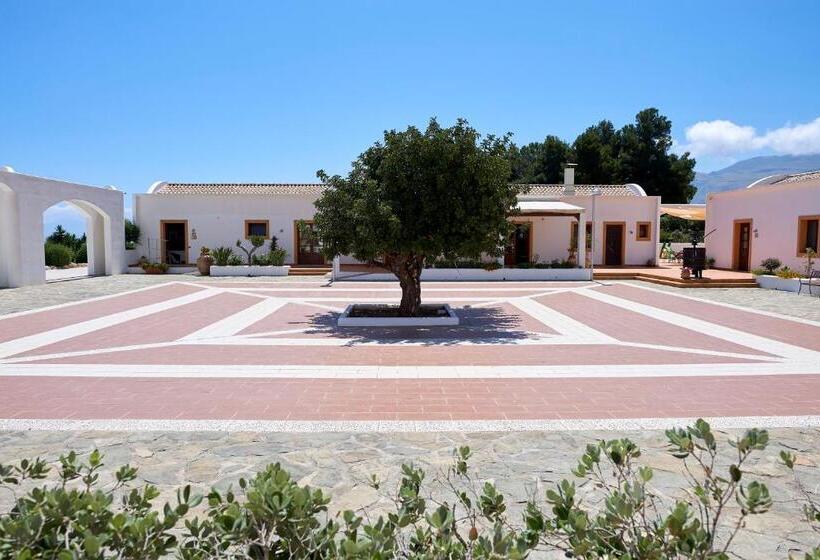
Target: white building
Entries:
(177, 219)
(774, 217)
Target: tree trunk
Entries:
(408, 270)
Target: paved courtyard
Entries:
(525, 354)
(201, 381)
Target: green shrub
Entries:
(787, 272)
(760, 272)
(57, 255)
(234, 260)
(81, 255)
(221, 255)
(271, 516)
(771, 264)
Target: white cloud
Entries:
(725, 138)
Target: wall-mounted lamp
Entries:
(193, 234)
(755, 232)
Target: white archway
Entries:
(24, 198)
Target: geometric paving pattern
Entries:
(523, 351)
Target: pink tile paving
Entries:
(405, 399)
(630, 326)
(782, 330)
(29, 324)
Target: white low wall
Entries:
(132, 257)
(478, 274)
(245, 270)
(783, 284)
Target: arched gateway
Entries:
(24, 198)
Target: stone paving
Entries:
(522, 464)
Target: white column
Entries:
(581, 249)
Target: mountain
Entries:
(742, 173)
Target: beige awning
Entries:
(695, 212)
(548, 208)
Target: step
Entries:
(680, 283)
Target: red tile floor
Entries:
(523, 351)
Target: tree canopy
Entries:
(637, 153)
(417, 196)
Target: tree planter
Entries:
(776, 283)
(447, 319)
(245, 270)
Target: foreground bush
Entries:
(271, 516)
(57, 255)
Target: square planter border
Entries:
(346, 321)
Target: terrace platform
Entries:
(668, 274)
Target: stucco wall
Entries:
(552, 234)
(218, 220)
(774, 211)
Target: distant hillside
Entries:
(742, 173)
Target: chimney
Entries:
(569, 178)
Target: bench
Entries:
(809, 281)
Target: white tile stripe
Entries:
(397, 426)
(34, 341)
(711, 329)
(561, 323)
(407, 372)
(236, 322)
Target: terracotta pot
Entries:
(203, 263)
(685, 273)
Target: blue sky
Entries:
(127, 93)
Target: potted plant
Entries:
(155, 267)
(204, 262)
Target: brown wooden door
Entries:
(613, 244)
(309, 250)
(743, 242)
(518, 248)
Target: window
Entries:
(256, 227)
(643, 231)
(808, 234)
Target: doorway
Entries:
(174, 242)
(614, 243)
(519, 248)
(308, 246)
(742, 245)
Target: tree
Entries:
(644, 158)
(60, 236)
(132, 234)
(596, 151)
(419, 195)
(540, 162)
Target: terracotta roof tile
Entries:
(799, 178)
(314, 189)
(580, 190)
